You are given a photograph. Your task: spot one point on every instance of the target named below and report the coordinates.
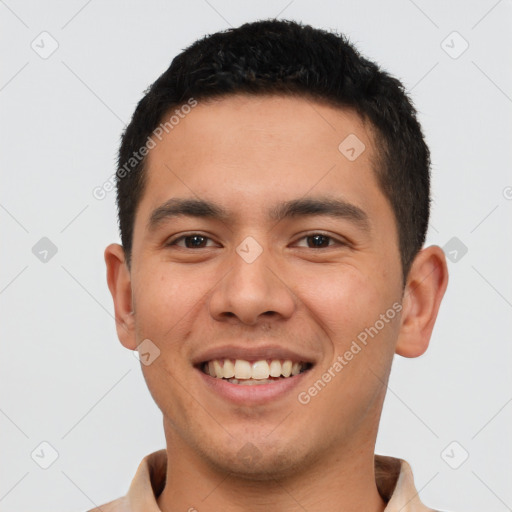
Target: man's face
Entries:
(263, 283)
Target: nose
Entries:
(251, 293)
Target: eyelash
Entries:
(174, 242)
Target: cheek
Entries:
(167, 301)
(345, 301)
(164, 301)
(348, 305)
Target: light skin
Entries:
(248, 155)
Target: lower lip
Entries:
(252, 394)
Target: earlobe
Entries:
(425, 288)
(120, 286)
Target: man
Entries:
(273, 195)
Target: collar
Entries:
(393, 476)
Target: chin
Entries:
(258, 460)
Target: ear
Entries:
(120, 286)
(424, 290)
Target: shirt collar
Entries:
(393, 476)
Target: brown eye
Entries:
(193, 241)
(318, 241)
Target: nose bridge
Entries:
(250, 269)
(251, 288)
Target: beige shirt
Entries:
(393, 477)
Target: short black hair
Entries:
(286, 57)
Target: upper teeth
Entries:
(242, 369)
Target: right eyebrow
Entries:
(176, 207)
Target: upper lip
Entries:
(254, 353)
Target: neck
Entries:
(343, 480)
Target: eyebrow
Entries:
(304, 207)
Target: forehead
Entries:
(253, 149)
(253, 126)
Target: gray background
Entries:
(65, 378)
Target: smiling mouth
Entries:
(242, 372)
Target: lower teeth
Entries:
(252, 382)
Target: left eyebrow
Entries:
(304, 207)
(309, 207)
